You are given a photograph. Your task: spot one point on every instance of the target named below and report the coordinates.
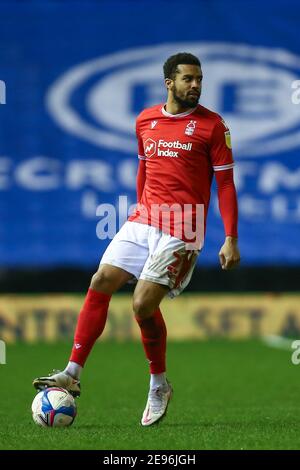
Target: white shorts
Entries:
(150, 254)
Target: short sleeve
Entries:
(220, 147)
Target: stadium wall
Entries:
(205, 279)
(33, 318)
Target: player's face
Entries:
(186, 87)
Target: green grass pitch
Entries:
(228, 395)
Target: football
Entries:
(53, 407)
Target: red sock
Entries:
(154, 337)
(90, 324)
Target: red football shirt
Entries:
(181, 152)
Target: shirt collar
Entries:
(186, 113)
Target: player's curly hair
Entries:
(170, 66)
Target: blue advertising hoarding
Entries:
(77, 74)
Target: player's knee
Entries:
(101, 281)
(142, 309)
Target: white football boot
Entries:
(58, 379)
(157, 404)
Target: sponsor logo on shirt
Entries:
(172, 145)
(163, 147)
(149, 147)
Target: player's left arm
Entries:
(222, 161)
(229, 254)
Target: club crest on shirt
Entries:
(190, 128)
(153, 124)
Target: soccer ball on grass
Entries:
(53, 407)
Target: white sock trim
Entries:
(74, 370)
(156, 380)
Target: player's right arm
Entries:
(140, 179)
(141, 173)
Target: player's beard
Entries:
(186, 102)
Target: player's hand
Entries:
(229, 254)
